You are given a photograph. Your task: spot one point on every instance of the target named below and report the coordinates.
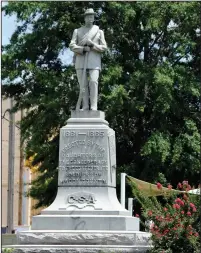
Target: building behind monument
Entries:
(26, 212)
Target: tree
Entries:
(149, 86)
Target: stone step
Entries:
(73, 237)
(77, 249)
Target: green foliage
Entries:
(7, 250)
(175, 220)
(149, 86)
(157, 145)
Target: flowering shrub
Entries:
(175, 220)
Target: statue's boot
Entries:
(93, 95)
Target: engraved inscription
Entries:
(88, 133)
(83, 168)
(79, 143)
(95, 134)
(69, 133)
(83, 159)
(83, 155)
(83, 162)
(92, 180)
(81, 198)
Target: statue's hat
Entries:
(89, 12)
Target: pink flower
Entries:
(152, 225)
(188, 213)
(185, 182)
(192, 205)
(182, 203)
(188, 188)
(169, 186)
(137, 215)
(176, 206)
(159, 186)
(166, 231)
(182, 212)
(150, 213)
(165, 209)
(178, 200)
(179, 185)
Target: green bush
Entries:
(7, 250)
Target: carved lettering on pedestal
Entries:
(90, 133)
(83, 159)
(85, 180)
(79, 143)
(81, 198)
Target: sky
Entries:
(8, 27)
(9, 24)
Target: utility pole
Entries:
(21, 177)
(11, 153)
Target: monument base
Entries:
(86, 222)
(71, 241)
(79, 249)
(86, 197)
(86, 216)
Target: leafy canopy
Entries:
(149, 86)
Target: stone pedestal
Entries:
(86, 215)
(86, 198)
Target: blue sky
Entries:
(8, 27)
(9, 24)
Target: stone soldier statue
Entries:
(88, 42)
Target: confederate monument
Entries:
(88, 42)
(86, 215)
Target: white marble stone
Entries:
(86, 215)
(85, 222)
(78, 249)
(84, 237)
(87, 114)
(86, 197)
(82, 241)
(85, 154)
(84, 200)
(87, 43)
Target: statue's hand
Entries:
(86, 49)
(90, 43)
